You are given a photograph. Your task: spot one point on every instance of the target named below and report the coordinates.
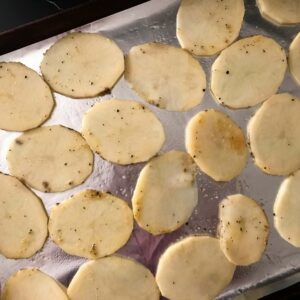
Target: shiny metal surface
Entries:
(155, 21)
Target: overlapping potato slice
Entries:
(294, 58)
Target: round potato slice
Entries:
(274, 133)
(280, 12)
(165, 76)
(217, 145)
(294, 58)
(26, 100)
(83, 65)
(248, 72)
(32, 284)
(243, 229)
(23, 219)
(113, 278)
(50, 158)
(91, 224)
(123, 131)
(286, 210)
(166, 193)
(205, 27)
(194, 268)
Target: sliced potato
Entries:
(294, 58)
(123, 131)
(194, 268)
(113, 278)
(165, 76)
(82, 65)
(205, 27)
(50, 158)
(91, 224)
(166, 193)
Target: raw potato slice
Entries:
(194, 268)
(205, 27)
(91, 224)
(294, 58)
(274, 133)
(113, 278)
(248, 72)
(287, 208)
(166, 193)
(23, 219)
(243, 230)
(165, 76)
(26, 100)
(280, 12)
(51, 158)
(217, 145)
(32, 284)
(123, 131)
(83, 65)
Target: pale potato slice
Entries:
(51, 158)
(205, 27)
(274, 133)
(166, 193)
(217, 145)
(294, 58)
(113, 278)
(123, 131)
(23, 219)
(248, 72)
(243, 229)
(287, 209)
(26, 100)
(280, 12)
(194, 268)
(32, 284)
(91, 224)
(83, 65)
(165, 76)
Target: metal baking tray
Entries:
(155, 21)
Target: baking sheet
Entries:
(155, 21)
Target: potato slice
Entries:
(217, 145)
(243, 229)
(83, 65)
(205, 27)
(32, 284)
(50, 158)
(91, 224)
(165, 76)
(123, 131)
(113, 278)
(26, 100)
(166, 193)
(294, 58)
(194, 268)
(280, 12)
(248, 72)
(274, 133)
(23, 219)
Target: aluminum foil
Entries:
(155, 21)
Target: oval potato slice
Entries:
(294, 58)
(113, 278)
(165, 76)
(23, 219)
(51, 158)
(274, 133)
(123, 131)
(217, 145)
(91, 224)
(32, 284)
(248, 72)
(83, 65)
(26, 100)
(166, 193)
(243, 229)
(194, 268)
(205, 27)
